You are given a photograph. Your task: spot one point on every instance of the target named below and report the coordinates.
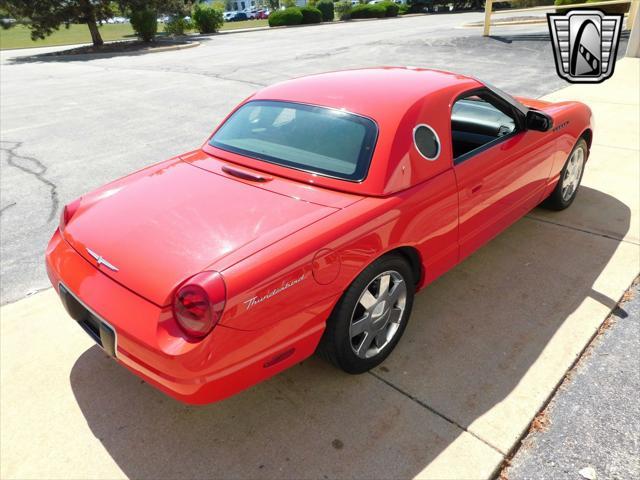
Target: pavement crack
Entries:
(182, 71)
(6, 207)
(435, 412)
(33, 167)
(578, 229)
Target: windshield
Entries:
(320, 140)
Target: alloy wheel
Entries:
(378, 313)
(572, 174)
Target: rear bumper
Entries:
(150, 344)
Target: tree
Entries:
(45, 16)
(178, 8)
(144, 13)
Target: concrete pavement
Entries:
(486, 346)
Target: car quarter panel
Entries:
(277, 282)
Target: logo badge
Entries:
(585, 44)
(102, 261)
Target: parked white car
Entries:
(226, 16)
(116, 20)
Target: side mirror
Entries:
(538, 121)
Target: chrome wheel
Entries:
(572, 174)
(378, 313)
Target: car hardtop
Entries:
(397, 99)
(371, 92)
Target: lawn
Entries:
(19, 36)
(245, 24)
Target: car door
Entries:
(500, 167)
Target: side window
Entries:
(478, 120)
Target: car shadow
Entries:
(473, 336)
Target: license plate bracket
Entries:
(100, 331)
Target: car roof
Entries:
(373, 92)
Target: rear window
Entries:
(320, 140)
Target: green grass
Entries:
(20, 36)
(245, 24)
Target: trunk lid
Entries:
(164, 224)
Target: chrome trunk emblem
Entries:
(101, 261)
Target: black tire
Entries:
(336, 343)
(556, 201)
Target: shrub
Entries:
(207, 19)
(565, 2)
(288, 16)
(609, 9)
(376, 10)
(311, 15)
(326, 7)
(391, 9)
(523, 3)
(343, 9)
(177, 26)
(612, 9)
(144, 23)
(404, 9)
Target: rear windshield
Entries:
(320, 140)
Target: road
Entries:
(592, 424)
(70, 126)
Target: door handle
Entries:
(476, 188)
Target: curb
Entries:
(334, 22)
(89, 56)
(505, 24)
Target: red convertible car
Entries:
(307, 222)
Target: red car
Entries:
(306, 223)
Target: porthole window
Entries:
(426, 141)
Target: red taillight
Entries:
(67, 212)
(199, 303)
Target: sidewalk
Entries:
(486, 346)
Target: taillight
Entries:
(199, 303)
(68, 211)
